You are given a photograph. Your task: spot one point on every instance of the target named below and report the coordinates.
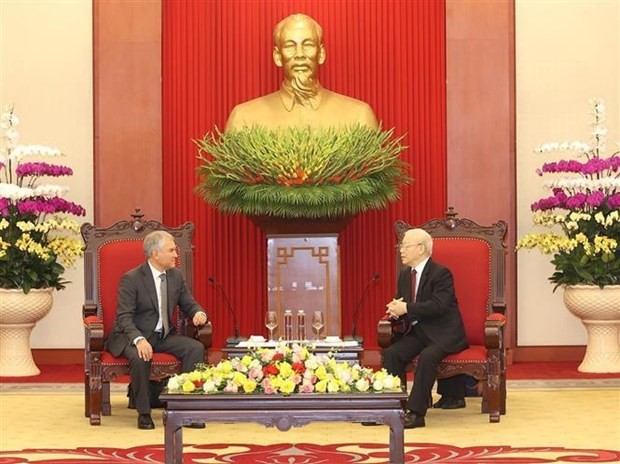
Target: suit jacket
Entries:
(436, 308)
(137, 312)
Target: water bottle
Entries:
(301, 325)
(288, 325)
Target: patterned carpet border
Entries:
(306, 453)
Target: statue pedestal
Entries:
(303, 270)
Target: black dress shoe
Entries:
(453, 403)
(439, 403)
(413, 421)
(196, 425)
(448, 402)
(145, 422)
(369, 424)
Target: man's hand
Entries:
(145, 350)
(199, 319)
(396, 308)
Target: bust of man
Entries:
(301, 100)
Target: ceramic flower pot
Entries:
(19, 312)
(599, 311)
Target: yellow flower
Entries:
(188, 386)
(321, 373)
(321, 386)
(249, 386)
(287, 386)
(239, 378)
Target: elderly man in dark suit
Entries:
(426, 303)
(147, 296)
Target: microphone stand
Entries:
(353, 336)
(230, 341)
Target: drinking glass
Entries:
(317, 322)
(271, 322)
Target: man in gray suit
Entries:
(147, 296)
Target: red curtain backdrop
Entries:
(217, 53)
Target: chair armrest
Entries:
(89, 309)
(203, 333)
(93, 328)
(384, 333)
(494, 331)
(498, 308)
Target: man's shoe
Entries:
(453, 403)
(369, 424)
(448, 402)
(196, 425)
(439, 403)
(412, 421)
(145, 422)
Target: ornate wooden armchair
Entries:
(476, 256)
(108, 254)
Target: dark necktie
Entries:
(163, 304)
(413, 284)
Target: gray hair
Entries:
(297, 18)
(423, 237)
(154, 241)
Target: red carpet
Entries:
(520, 371)
(300, 453)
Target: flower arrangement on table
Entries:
(284, 370)
(37, 238)
(585, 204)
(299, 172)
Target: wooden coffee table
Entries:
(283, 412)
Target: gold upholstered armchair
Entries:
(108, 254)
(476, 256)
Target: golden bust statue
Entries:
(301, 100)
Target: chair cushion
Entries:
(469, 259)
(158, 358)
(114, 259)
(475, 353)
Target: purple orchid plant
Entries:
(38, 238)
(583, 211)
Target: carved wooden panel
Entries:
(304, 273)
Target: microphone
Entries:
(356, 311)
(230, 340)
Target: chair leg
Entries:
(106, 407)
(502, 394)
(95, 390)
(484, 405)
(493, 391)
(86, 394)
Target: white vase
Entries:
(599, 311)
(19, 312)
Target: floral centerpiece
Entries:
(582, 211)
(283, 370)
(37, 237)
(299, 172)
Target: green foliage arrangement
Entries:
(299, 172)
